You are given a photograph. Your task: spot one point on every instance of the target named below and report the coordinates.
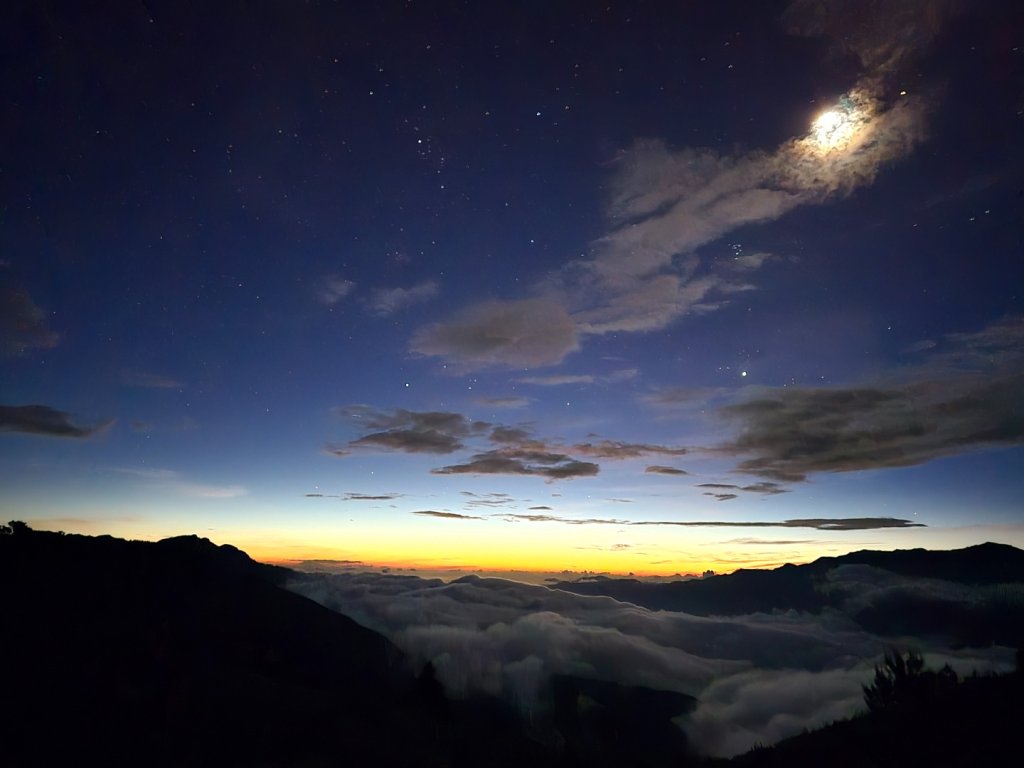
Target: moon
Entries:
(834, 128)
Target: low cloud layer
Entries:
(758, 677)
(44, 420)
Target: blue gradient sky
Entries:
(258, 263)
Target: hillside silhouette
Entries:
(182, 652)
(992, 613)
(973, 722)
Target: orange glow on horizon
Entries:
(528, 551)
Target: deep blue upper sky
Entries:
(420, 251)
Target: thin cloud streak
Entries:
(446, 515)
(151, 380)
(173, 481)
(821, 524)
(44, 420)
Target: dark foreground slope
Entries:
(976, 723)
(181, 652)
(184, 653)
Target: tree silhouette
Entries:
(904, 681)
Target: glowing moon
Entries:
(840, 127)
(834, 128)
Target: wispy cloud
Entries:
(884, 42)
(749, 262)
(793, 433)
(661, 470)
(175, 482)
(23, 325)
(514, 517)
(965, 393)
(488, 500)
(525, 333)
(333, 288)
(355, 496)
(821, 524)
(539, 514)
(149, 473)
(556, 380)
(617, 449)
(764, 488)
(150, 380)
(446, 515)
(667, 203)
(513, 450)
(333, 449)
(682, 398)
(203, 491)
(504, 402)
(411, 431)
(44, 420)
(553, 466)
(387, 301)
(501, 434)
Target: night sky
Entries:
(630, 287)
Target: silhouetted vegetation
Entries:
(903, 681)
(917, 718)
(181, 652)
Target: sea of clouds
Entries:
(757, 678)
